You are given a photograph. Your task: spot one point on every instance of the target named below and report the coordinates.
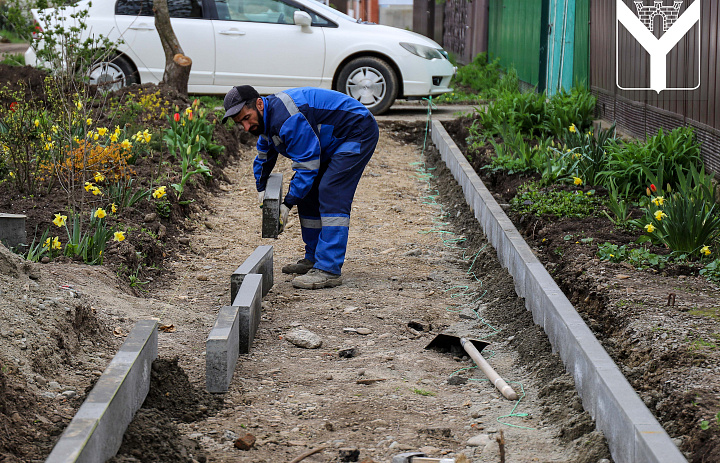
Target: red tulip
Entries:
(13, 106)
(190, 116)
(653, 188)
(177, 117)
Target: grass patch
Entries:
(424, 392)
(711, 312)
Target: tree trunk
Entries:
(177, 65)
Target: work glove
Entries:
(261, 197)
(284, 212)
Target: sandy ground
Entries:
(406, 278)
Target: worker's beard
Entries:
(259, 128)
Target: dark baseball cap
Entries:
(236, 99)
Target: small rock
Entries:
(184, 241)
(41, 381)
(348, 353)
(69, 394)
(414, 253)
(202, 278)
(349, 454)
(209, 225)
(229, 435)
(329, 426)
(151, 217)
(350, 309)
(457, 380)
(349, 330)
(245, 442)
(620, 276)
(16, 418)
(45, 260)
(304, 338)
(481, 440)
(48, 394)
(97, 373)
(54, 385)
(363, 331)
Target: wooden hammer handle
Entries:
(492, 375)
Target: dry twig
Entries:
(308, 453)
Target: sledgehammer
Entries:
(447, 342)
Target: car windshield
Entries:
(327, 9)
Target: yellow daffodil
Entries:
(650, 228)
(113, 138)
(102, 131)
(56, 243)
(100, 213)
(705, 250)
(78, 105)
(6, 149)
(159, 192)
(146, 136)
(89, 186)
(96, 191)
(572, 128)
(88, 121)
(99, 177)
(37, 122)
(658, 201)
(126, 144)
(612, 255)
(659, 215)
(113, 208)
(119, 236)
(47, 243)
(48, 146)
(59, 220)
(90, 134)
(577, 181)
(12, 174)
(117, 130)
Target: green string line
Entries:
(423, 173)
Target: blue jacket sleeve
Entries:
(303, 148)
(264, 162)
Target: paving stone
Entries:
(260, 261)
(271, 206)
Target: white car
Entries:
(269, 44)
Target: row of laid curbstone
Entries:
(236, 325)
(632, 432)
(96, 431)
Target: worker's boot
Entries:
(301, 267)
(317, 279)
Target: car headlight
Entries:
(422, 51)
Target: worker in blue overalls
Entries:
(330, 138)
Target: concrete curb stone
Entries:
(632, 432)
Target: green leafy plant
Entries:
(619, 205)
(685, 220)
(711, 271)
(637, 257)
(123, 194)
(534, 200)
(515, 155)
(665, 155)
(575, 107)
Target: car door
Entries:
(257, 43)
(136, 25)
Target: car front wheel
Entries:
(371, 81)
(112, 73)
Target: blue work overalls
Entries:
(330, 138)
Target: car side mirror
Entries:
(302, 18)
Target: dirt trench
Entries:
(417, 265)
